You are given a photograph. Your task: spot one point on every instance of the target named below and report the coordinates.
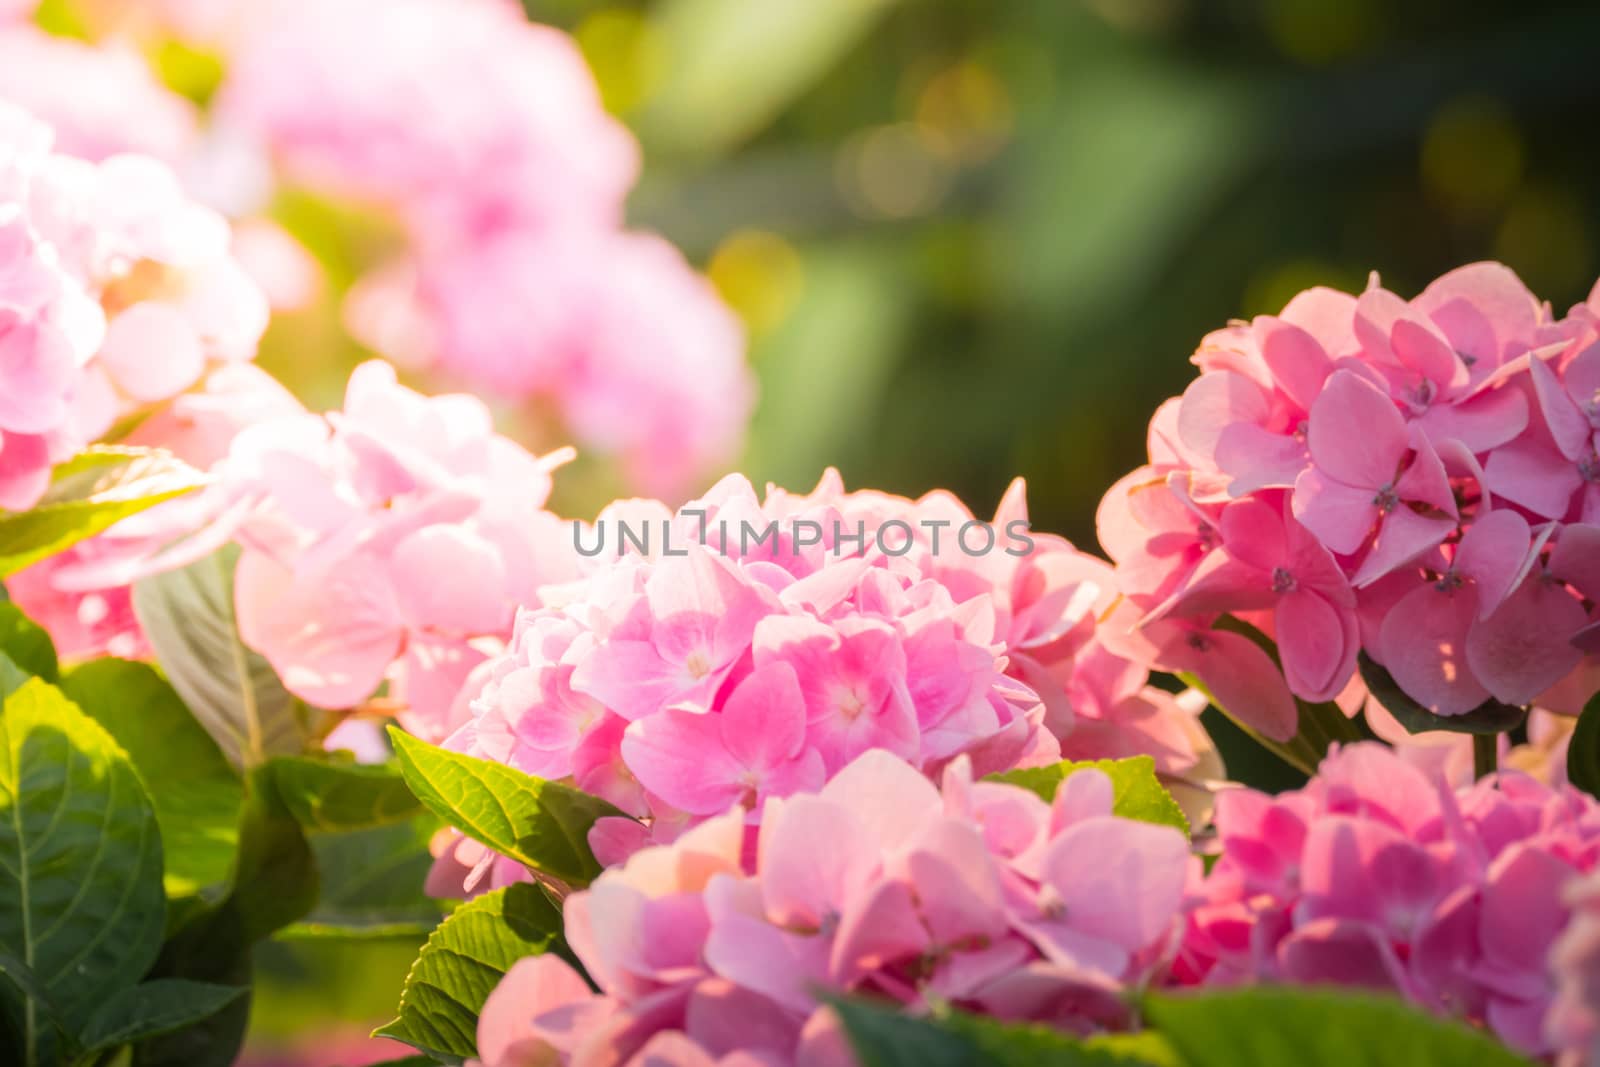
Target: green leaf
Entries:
(1138, 793)
(465, 959)
(150, 1009)
(1317, 1027)
(1583, 750)
(884, 1036)
(188, 617)
(372, 883)
(26, 644)
(334, 796)
(87, 494)
(198, 795)
(27, 994)
(80, 855)
(272, 884)
(544, 825)
(1490, 717)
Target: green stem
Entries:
(1485, 754)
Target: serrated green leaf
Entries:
(331, 796)
(465, 959)
(25, 643)
(1583, 750)
(1138, 792)
(1266, 1026)
(885, 1036)
(197, 795)
(543, 825)
(153, 1008)
(87, 494)
(80, 854)
(1490, 717)
(188, 618)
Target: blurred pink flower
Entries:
(101, 99)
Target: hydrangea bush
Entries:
(823, 778)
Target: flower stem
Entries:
(1485, 754)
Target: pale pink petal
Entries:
(1524, 647)
(1341, 516)
(1356, 433)
(1423, 645)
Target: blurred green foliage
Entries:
(978, 239)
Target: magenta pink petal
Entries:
(1341, 516)
(1525, 646)
(1423, 645)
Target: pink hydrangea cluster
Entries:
(391, 540)
(100, 99)
(980, 895)
(1377, 875)
(744, 649)
(1412, 479)
(117, 292)
(485, 135)
(1573, 1025)
(83, 596)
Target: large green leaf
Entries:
(1490, 717)
(272, 884)
(885, 1036)
(196, 793)
(372, 883)
(26, 644)
(1317, 1027)
(188, 617)
(81, 904)
(87, 494)
(1138, 793)
(1583, 750)
(465, 959)
(544, 825)
(151, 1009)
(331, 796)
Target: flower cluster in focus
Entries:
(1410, 479)
(1377, 875)
(982, 896)
(762, 645)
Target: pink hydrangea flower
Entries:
(116, 293)
(101, 100)
(348, 521)
(980, 895)
(764, 644)
(1377, 875)
(614, 331)
(83, 596)
(468, 119)
(1573, 1024)
(1368, 474)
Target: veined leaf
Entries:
(543, 825)
(197, 796)
(372, 883)
(465, 959)
(1265, 1026)
(885, 1036)
(188, 617)
(87, 494)
(81, 904)
(332, 796)
(1138, 793)
(1490, 717)
(151, 1009)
